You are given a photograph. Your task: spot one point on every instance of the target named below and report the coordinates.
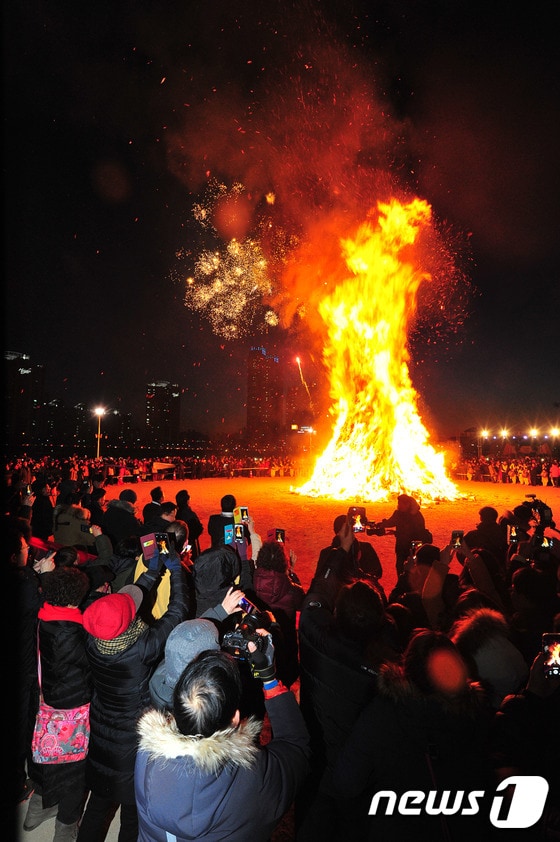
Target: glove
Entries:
(172, 561)
(262, 661)
(154, 562)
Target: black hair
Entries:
(272, 556)
(66, 557)
(65, 586)
(207, 694)
(182, 497)
(128, 547)
(168, 508)
(359, 611)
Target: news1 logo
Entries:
(526, 798)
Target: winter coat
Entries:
(223, 787)
(120, 521)
(195, 528)
(336, 678)
(406, 740)
(121, 692)
(283, 596)
(66, 682)
(362, 560)
(71, 527)
(409, 526)
(214, 572)
(42, 517)
(489, 536)
(279, 591)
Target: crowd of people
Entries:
(222, 693)
(118, 470)
(526, 470)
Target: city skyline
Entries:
(103, 191)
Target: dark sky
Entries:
(118, 116)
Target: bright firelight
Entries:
(379, 445)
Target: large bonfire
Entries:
(379, 444)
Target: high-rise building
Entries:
(23, 398)
(163, 411)
(265, 395)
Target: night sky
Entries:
(120, 119)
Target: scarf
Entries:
(123, 641)
(60, 612)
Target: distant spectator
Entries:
(120, 519)
(184, 512)
(152, 509)
(166, 514)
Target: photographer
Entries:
(408, 522)
(202, 773)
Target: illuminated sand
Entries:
(308, 521)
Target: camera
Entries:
(228, 533)
(414, 546)
(239, 532)
(236, 642)
(456, 538)
(551, 651)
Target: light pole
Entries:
(100, 412)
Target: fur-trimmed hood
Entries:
(477, 627)
(160, 737)
(395, 686)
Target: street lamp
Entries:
(100, 412)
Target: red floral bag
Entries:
(60, 735)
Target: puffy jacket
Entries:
(223, 787)
(121, 693)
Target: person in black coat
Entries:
(166, 514)
(184, 512)
(120, 519)
(60, 788)
(123, 650)
(42, 510)
(22, 601)
(152, 509)
(408, 522)
(427, 729)
(362, 559)
(344, 634)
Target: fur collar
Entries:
(393, 685)
(477, 628)
(160, 737)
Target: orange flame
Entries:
(379, 445)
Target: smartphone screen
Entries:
(456, 538)
(551, 651)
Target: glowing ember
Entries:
(379, 445)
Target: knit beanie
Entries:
(111, 615)
(185, 642)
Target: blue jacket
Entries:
(223, 787)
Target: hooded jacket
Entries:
(222, 787)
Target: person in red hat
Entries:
(123, 651)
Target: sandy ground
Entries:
(308, 521)
(308, 524)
